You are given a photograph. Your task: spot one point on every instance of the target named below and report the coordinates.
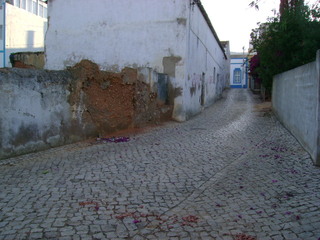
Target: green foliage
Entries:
(287, 41)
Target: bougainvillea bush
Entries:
(286, 41)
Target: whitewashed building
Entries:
(239, 77)
(23, 24)
(174, 37)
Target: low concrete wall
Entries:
(296, 102)
(34, 110)
(42, 109)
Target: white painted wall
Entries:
(296, 102)
(24, 31)
(115, 34)
(207, 65)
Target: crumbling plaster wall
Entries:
(118, 34)
(170, 37)
(41, 109)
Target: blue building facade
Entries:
(239, 71)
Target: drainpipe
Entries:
(4, 32)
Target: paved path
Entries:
(232, 172)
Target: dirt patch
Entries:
(263, 109)
(111, 102)
(19, 64)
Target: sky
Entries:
(233, 20)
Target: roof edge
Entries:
(206, 17)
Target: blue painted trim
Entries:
(236, 86)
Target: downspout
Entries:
(4, 33)
(188, 36)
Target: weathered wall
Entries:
(34, 111)
(207, 68)
(296, 101)
(42, 109)
(170, 37)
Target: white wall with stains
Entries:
(115, 34)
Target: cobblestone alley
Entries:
(232, 172)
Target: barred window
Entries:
(237, 76)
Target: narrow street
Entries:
(232, 172)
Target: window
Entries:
(29, 6)
(35, 7)
(23, 4)
(40, 10)
(237, 76)
(17, 3)
(45, 12)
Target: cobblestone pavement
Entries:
(232, 172)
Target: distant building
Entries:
(23, 24)
(172, 37)
(239, 77)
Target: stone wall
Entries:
(296, 102)
(42, 109)
(27, 60)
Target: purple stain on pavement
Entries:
(136, 221)
(274, 181)
(288, 213)
(293, 171)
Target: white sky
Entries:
(233, 20)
